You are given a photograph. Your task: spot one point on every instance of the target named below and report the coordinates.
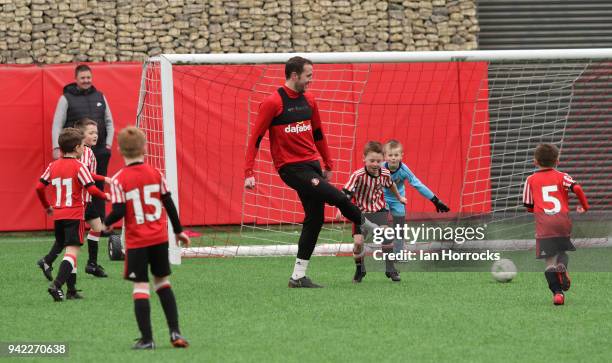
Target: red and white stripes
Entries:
(367, 189)
(89, 160)
(72, 260)
(140, 293)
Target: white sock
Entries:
(299, 269)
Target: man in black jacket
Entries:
(82, 100)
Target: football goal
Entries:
(468, 122)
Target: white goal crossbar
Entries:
(391, 57)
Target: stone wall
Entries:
(48, 31)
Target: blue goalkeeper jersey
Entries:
(399, 176)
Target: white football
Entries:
(503, 270)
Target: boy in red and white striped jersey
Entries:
(69, 178)
(366, 188)
(545, 194)
(138, 192)
(92, 217)
(90, 132)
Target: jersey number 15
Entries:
(134, 196)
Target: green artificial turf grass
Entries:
(239, 309)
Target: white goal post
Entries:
(156, 114)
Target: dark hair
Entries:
(295, 64)
(69, 139)
(81, 68)
(131, 142)
(372, 147)
(84, 122)
(546, 155)
(392, 144)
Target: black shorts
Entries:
(549, 247)
(137, 260)
(380, 218)
(69, 232)
(91, 212)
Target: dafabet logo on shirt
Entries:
(297, 128)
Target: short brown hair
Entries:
(546, 155)
(81, 68)
(372, 147)
(392, 144)
(132, 142)
(84, 122)
(69, 139)
(295, 64)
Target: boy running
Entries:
(545, 194)
(68, 178)
(90, 131)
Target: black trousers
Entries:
(102, 157)
(314, 191)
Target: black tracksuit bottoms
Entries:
(307, 180)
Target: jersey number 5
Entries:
(134, 196)
(549, 198)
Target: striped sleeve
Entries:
(45, 178)
(387, 181)
(352, 183)
(568, 181)
(83, 158)
(89, 159)
(86, 158)
(84, 176)
(116, 191)
(527, 194)
(94, 163)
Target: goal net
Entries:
(468, 123)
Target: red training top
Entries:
(140, 186)
(69, 179)
(295, 130)
(546, 195)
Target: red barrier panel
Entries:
(28, 96)
(21, 145)
(434, 127)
